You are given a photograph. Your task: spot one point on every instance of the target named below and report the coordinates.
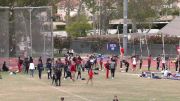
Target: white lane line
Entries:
(61, 90)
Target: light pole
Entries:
(52, 32)
(99, 17)
(30, 30)
(125, 25)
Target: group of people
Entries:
(159, 60)
(72, 65)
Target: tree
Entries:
(21, 3)
(27, 2)
(79, 27)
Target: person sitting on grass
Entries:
(4, 67)
(167, 73)
(143, 74)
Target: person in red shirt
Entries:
(122, 52)
(107, 66)
(73, 71)
(149, 62)
(90, 74)
(20, 62)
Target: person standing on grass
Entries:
(115, 98)
(134, 62)
(177, 64)
(113, 68)
(20, 62)
(126, 63)
(140, 63)
(149, 62)
(163, 63)
(73, 71)
(68, 72)
(26, 64)
(90, 74)
(101, 63)
(40, 68)
(107, 66)
(79, 67)
(158, 60)
(49, 68)
(40, 59)
(31, 68)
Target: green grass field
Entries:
(127, 86)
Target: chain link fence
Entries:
(4, 34)
(30, 32)
(83, 47)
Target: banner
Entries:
(112, 47)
